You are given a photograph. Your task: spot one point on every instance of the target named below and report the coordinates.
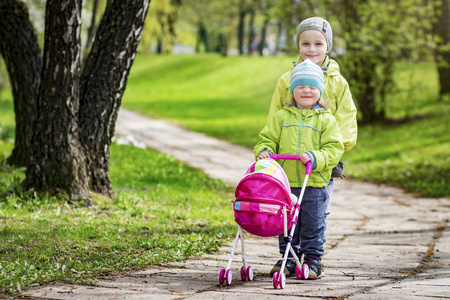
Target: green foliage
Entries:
(376, 35)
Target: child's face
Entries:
(306, 96)
(313, 45)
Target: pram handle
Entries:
(292, 157)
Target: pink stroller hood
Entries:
(260, 198)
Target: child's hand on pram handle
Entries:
(304, 157)
(295, 157)
(264, 154)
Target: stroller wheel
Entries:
(275, 280)
(298, 272)
(243, 275)
(228, 277)
(249, 273)
(222, 276)
(282, 279)
(305, 271)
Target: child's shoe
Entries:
(289, 269)
(315, 268)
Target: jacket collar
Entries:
(329, 66)
(305, 112)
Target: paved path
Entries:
(382, 243)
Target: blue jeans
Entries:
(309, 234)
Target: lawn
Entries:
(229, 97)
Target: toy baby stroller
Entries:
(264, 206)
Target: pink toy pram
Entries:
(264, 206)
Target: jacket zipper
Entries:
(298, 150)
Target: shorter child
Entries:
(305, 128)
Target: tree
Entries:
(23, 59)
(57, 160)
(443, 47)
(241, 25)
(103, 82)
(377, 34)
(76, 111)
(252, 9)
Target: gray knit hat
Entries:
(307, 73)
(319, 24)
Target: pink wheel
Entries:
(228, 277)
(298, 272)
(282, 279)
(305, 271)
(243, 275)
(222, 276)
(249, 273)
(275, 280)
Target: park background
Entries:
(212, 66)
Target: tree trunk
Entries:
(262, 43)
(241, 27)
(103, 83)
(57, 161)
(279, 34)
(443, 48)
(252, 32)
(23, 59)
(172, 18)
(357, 65)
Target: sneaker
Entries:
(289, 269)
(315, 268)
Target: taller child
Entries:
(314, 41)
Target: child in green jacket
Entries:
(305, 128)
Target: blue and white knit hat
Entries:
(319, 24)
(307, 73)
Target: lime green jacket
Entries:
(336, 96)
(295, 131)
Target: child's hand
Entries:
(304, 157)
(263, 155)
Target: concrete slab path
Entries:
(382, 242)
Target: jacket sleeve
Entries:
(269, 137)
(331, 145)
(346, 114)
(280, 95)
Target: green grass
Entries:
(164, 211)
(224, 97)
(229, 97)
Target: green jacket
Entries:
(336, 95)
(294, 131)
